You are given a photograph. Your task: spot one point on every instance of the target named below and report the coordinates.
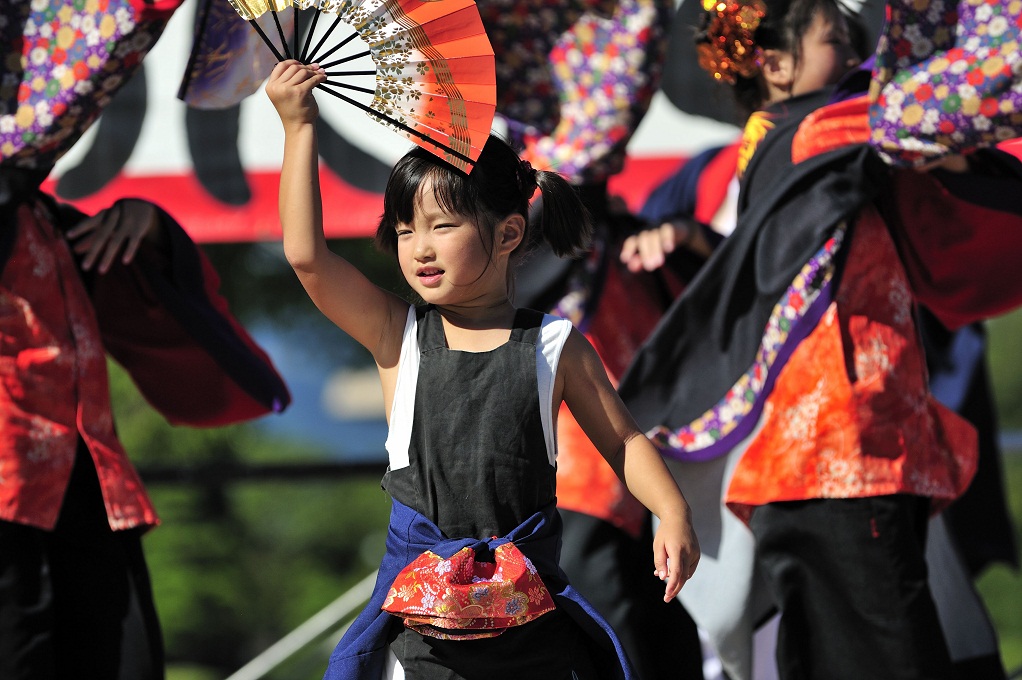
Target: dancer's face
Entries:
(827, 55)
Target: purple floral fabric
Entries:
(948, 78)
(229, 61)
(575, 78)
(731, 419)
(62, 63)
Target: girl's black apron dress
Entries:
(478, 467)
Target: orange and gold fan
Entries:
(423, 68)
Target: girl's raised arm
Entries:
(596, 406)
(367, 313)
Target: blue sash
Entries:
(360, 654)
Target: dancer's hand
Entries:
(290, 90)
(118, 230)
(675, 552)
(952, 163)
(648, 250)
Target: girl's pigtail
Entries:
(565, 223)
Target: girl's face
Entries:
(827, 55)
(445, 258)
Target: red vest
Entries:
(53, 386)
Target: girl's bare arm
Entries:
(600, 412)
(370, 315)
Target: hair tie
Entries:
(527, 178)
(728, 50)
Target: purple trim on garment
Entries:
(947, 79)
(735, 415)
(855, 82)
(747, 423)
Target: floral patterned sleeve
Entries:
(574, 80)
(61, 63)
(947, 79)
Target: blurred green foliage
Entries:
(236, 567)
(1001, 586)
(1005, 355)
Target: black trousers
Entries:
(614, 571)
(849, 577)
(76, 602)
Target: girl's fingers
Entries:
(294, 72)
(628, 249)
(83, 227)
(630, 254)
(110, 252)
(282, 67)
(676, 577)
(660, 570)
(674, 583)
(297, 72)
(672, 578)
(648, 249)
(130, 250)
(651, 249)
(667, 237)
(97, 236)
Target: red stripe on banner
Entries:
(348, 212)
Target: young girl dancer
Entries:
(471, 385)
(796, 352)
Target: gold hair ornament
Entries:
(728, 49)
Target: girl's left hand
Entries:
(675, 553)
(120, 229)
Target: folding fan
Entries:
(423, 68)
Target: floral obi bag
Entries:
(466, 598)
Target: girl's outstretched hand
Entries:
(675, 552)
(290, 90)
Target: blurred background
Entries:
(267, 524)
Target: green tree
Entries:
(238, 564)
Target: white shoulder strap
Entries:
(552, 336)
(399, 434)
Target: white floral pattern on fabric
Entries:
(947, 79)
(63, 63)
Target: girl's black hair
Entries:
(781, 28)
(500, 185)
